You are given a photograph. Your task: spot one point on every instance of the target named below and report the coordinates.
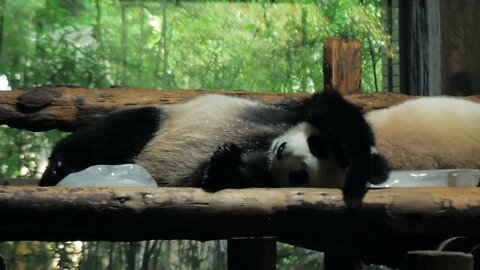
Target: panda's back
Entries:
(429, 133)
(192, 131)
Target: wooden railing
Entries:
(390, 223)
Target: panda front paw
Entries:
(223, 168)
(228, 154)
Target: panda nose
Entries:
(280, 150)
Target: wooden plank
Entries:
(54, 213)
(252, 253)
(438, 260)
(18, 182)
(342, 65)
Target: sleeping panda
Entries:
(419, 134)
(217, 142)
(429, 133)
(300, 157)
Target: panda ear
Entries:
(317, 146)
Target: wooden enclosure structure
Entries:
(391, 222)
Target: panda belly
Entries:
(193, 131)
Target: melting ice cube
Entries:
(126, 175)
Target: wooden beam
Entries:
(439, 260)
(67, 108)
(54, 213)
(64, 108)
(19, 182)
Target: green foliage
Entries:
(292, 258)
(26, 255)
(215, 45)
(22, 152)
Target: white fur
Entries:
(297, 156)
(429, 133)
(180, 145)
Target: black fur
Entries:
(318, 147)
(232, 167)
(115, 140)
(379, 168)
(348, 136)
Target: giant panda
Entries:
(429, 133)
(419, 134)
(217, 141)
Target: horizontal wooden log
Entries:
(66, 108)
(54, 213)
(19, 182)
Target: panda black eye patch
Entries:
(317, 146)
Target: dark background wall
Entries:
(460, 47)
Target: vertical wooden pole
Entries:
(252, 254)
(342, 65)
(438, 260)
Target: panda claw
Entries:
(228, 154)
(223, 166)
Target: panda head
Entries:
(300, 157)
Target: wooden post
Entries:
(438, 260)
(342, 64)
(252, 254)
